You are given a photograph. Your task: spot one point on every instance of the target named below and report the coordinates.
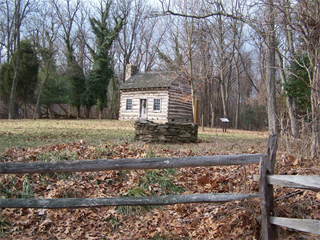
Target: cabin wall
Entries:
(149, 95)
(180, 103)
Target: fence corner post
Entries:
(268, 231)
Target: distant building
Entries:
(155, 96)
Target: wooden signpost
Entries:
(225, 122)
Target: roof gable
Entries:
(149, 80)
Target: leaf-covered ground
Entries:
(233, 220)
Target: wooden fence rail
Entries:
(125, 164)
(124, 201)
(308, 182)
(305, 225)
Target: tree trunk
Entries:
(289, 101)
(14, 83)
(271, 68)
(39, 97)
(16, 62)
(39, 111)
(212, 114)
(13, 88)
(50, 112)
(101, 112)
(47, 64)
(25, 108)
(238, 96)
(221, 55)
(189, 30)
(87, 114)
(292, 116)
(78, 112)
(315, 100)
(223, 98)
(315, 136)
(38, 101)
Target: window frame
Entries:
(127, 104)
(158, 104)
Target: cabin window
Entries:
(156, 105)
(129, 105)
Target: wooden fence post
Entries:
(268, 231)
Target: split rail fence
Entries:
(267, 162)
(267, 180)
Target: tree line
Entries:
(254, 62)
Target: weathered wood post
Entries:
(202, 122)
(196, 112)
(268, 231)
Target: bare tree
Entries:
(307, 14)
(128, 42)
(44, 34)
(7, 25)
(150, 37)
(237, 31)
(268, 36)
(291, 52)
(189, 27)
(271, 66)
(301, 26)
(222, 61)
(21, 9)
(67, 14)
(185, 30)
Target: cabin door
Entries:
(143, 108)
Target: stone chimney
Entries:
(130, 71)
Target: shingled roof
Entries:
(149, 80)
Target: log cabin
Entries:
(155, 96)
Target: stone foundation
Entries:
(148, 131)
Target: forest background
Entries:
(254, 62)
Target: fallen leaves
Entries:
(233, 220)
